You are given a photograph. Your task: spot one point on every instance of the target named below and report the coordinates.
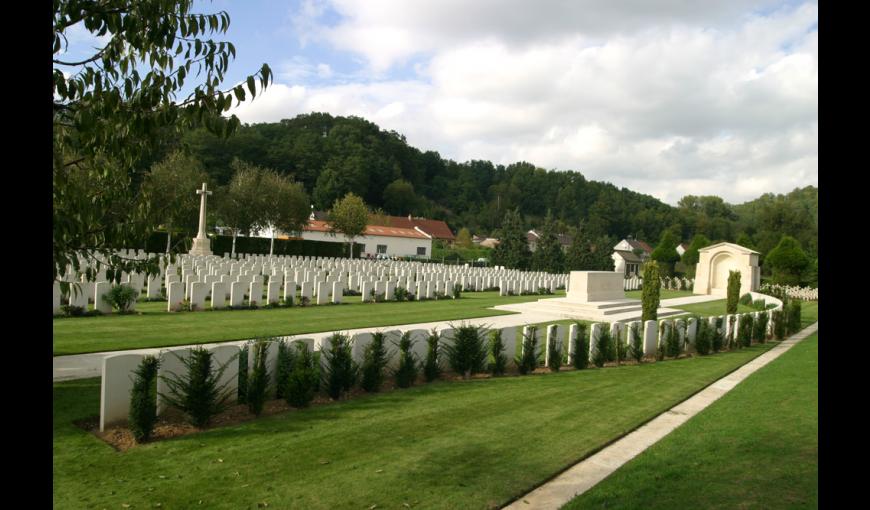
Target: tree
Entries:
(242, 203)
(733, 293)
(548, 256)
(286, 206)
(171, 187)
(666, 252)
(691, 256)
(110, 109)
(744, 240)
(349, 216)
(650, 296)
(580, 256)
(513, 249)
(787, 261)
(399, 197)
(463, 238)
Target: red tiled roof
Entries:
(371, 230)
(435, 228)
(636, 243)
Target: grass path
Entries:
(76, 335)
(756, 447)
(475, 444)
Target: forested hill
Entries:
(334, 155)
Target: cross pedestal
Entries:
(201, 243)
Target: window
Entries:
(382, 248)
(362, 248)
(421, 250)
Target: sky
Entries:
(667, 98)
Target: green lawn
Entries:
(476, 444)
(75, 335)
(717, 308)
(664, 294)
(756, 447)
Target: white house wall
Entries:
(396, 246)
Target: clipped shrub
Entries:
(744, 331)
(432, 366)
(635, 349)
(242, 387)
(528, 358)
(620, 348)
(304, 378)
(717, 337)
(196, 392)
(660, 343)
(457, 291)
(651, 292)
(793, 321)
(401, 294)
(759, 304)
(341, 372)
(406, 373)
(673, 347)
(258, 379)
(286, 355)
(555, 348)
(121, 297)
(603, 347)
(496, 352)
(703, 338)
(467, 354)
(581, 347)
(143, 399)
(732, 334)
(733, 292)
(374, 363)
(745, 299)
(779, 324)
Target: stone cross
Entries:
(204, 192)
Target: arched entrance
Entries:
(721, 264)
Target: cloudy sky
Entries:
(667, 97)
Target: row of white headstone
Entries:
(117, 369)
(243, 282)
(793, 291)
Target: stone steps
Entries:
(601, 311)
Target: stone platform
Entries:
(614, 310)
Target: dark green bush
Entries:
(620, 347)
(651, 291)
(703, 338)
(732, 332)
(733, 292)
(496, 352)
(374, 363)
(406, 373)
(745, 299)
(432, 367)
(635, 350)
(527, 361)
(603, 347)
(744, 331)
(341, 372)
(143, 399)
(581, 347)
(197, 393)
(794, 317)
(121, 297)
(73, 311)
(759, 328)
(401, 294)
(258, 379)
(467, 354)
(304, 377)
(759, 304)
(286, 358)
(779, 324)
(555, 349)
(242, 391)
(672, 341)
(717, 337)
(457, 291)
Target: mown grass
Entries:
(475, 444)
(75, 335)
(710, 308)
(663, 294)
(756, 447)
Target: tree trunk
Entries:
(235, 233)
(168, 240)
(351, 248)
(272, 243)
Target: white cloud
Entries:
(682, 97)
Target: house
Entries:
(437, 229)
(533, 237)
(629, 255)
(490, 242)
(375, 240)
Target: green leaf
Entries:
(252, 86)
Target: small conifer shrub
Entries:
(496, 352)
(467, 354)
(406, 373)
(304, 377)
(432, 366)
(143, 399)
(581, 347)
(341, 371)
(258, 379)
(197, 392)
(374, 363)
(527, 361)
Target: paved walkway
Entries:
(587, 473)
